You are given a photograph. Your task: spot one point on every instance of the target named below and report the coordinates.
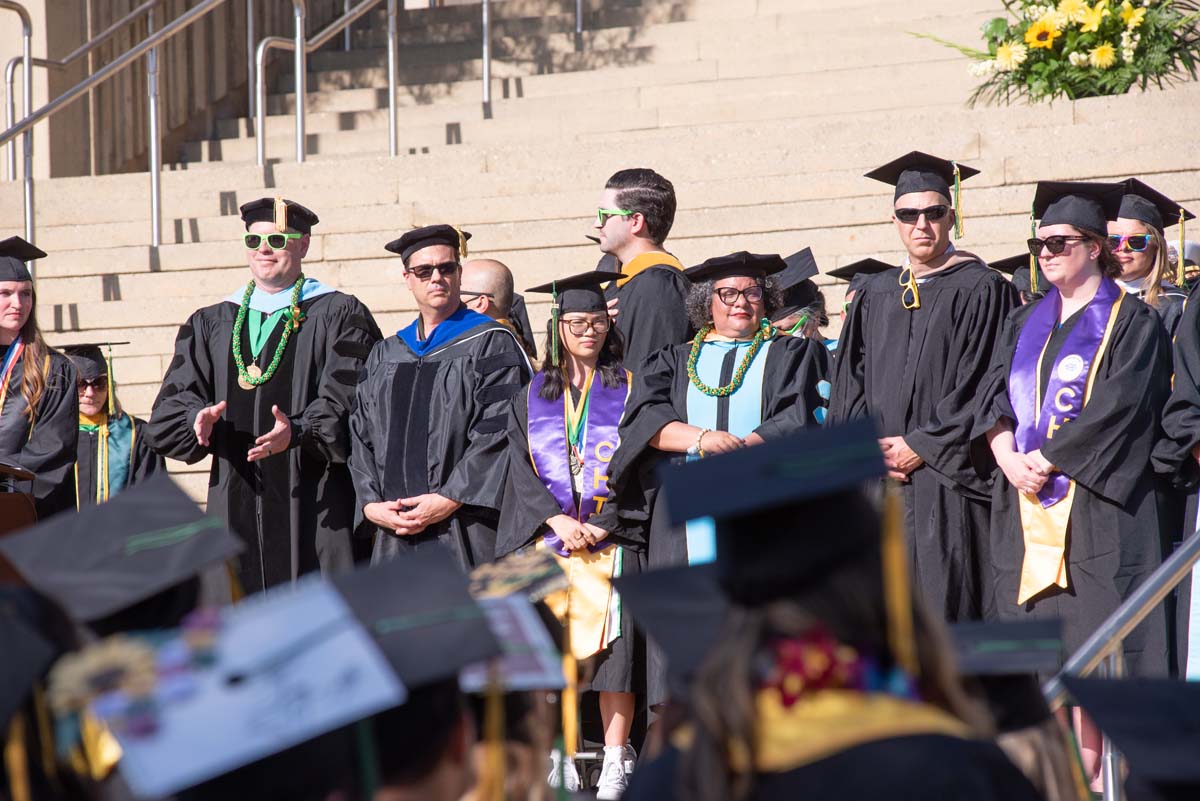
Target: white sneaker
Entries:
(563, 775)
(614, 774)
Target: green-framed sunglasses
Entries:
(276, 241)
(602, 215)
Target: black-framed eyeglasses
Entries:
(1137, 243)
(96, 384)
(932, 213)
(580, 325)
(1054, 244)
(425, 271)
(729, 295)
(468, 294)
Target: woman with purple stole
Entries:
(1070, 410)
(562, 433)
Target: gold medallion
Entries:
(254, 371)
(244, 384)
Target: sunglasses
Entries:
(729, 295)
(910, 297)
(602, 215)
(1137, 243)
(94, 383)
(425, 272)
(579, 327)
(1054, 244)
(276, 241)
(932, 213)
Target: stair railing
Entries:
(1103, 650)
(301, 49)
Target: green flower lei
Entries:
(765, 332)
(293, 318)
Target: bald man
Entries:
(487, 287)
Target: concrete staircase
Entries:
(764, 113)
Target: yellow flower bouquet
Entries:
(1075, 48)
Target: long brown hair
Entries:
(850, 605)
(33, 367)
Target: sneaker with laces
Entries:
(614, 774)
(563, 774)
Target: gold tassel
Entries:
(491, 784)
(896, 587)
(958, 212)
(1179, 271)
(280, 215)
(462, 243)
(1033, 262)
(16, 760)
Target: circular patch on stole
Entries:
(1070, 368)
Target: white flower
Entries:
(1078, 59)
(982, 69)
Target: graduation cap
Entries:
(1004, 660)
(284, 213)
(14, 252)
(1087, 206)
(921, 172)
(795, 280)
(1146, 204)
(859, 272)
(1155, 724)
(1022, 276)
(575, 293)
(26, 656)
(427, 236)
(92, 362)
(111, 558)
(753, 265)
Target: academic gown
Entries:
(49, 449)
(294, 512)
(142, 462)
(919, 767)
(518, 317)
(916, 372)
(437, 424)
(651, 308)
(1170, 304)
(1113, 537)
(528, 504)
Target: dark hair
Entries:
(1108, 260)
(412, 739)
(700, 301)
(609, 365)
(650, 195)
(850, 605)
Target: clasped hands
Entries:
(899, 459)
(409, 516)
(275, 441)
(575, 536)
(1025, 471)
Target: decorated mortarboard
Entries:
(428, 236)
(921, 172)
(1005, 661)
(796, 282)
(1155, 724)
(1087, 206)
(1019, 267)
(14, 252)
(108, 558)
(26, 655)
(753, 265)
(582, 292)
(283, 213)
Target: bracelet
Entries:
(699, 442)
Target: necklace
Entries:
(253, 376)
(765, 332)
(576, 416)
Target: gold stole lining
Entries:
(653, 258)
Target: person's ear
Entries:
(305, 241)
(637, 224)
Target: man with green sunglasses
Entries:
(263, 382)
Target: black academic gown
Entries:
(294, 512)
(916, 372)
(1170, 305)
(48, 450)
(437, 424)
(651, 312)
(1113, 538)
(143, 462)
(518, 317)
(915, 768)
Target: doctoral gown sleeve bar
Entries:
(1181, 416)
(527, 503)
(52, 444)
(796, 366)
(187, 388)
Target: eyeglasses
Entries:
(910, 297)
(803, 321)
(276, 241)
(96, 384)
(932, 213)
(1137, 243)
(467, 294)
(580, 326)
(1054, 244)
(425, 271)
(729, 295)
(602, 215)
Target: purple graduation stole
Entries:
(1044, 518)
(548, 448)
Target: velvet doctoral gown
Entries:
(294, 511)
(916, 372)
(129, 445)
(437, 423)
(1113, 534)
(47, 448)
(651, 306)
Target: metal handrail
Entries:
(26, 106)
(150, 43)
(301, 48)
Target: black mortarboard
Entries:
(26, 656)
(1146, 204)
(14, 252)
(284, 213)
(740, 263)
(1005, 660)
(796, 282)
(1155, 724)
(582, 292)
(427, 236)
(859, 272)
(431, 629)
(90, 360)
(921, 172)
(1087, 206)
(108, 558)
(1018, 267)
